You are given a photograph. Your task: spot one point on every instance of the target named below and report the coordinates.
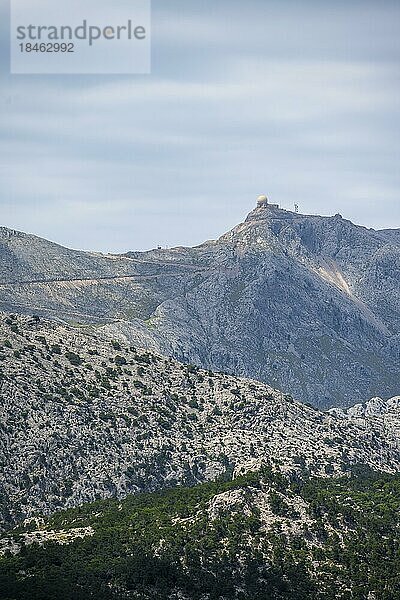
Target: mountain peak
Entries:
(266, 210)
(277, 295)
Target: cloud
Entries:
(300, 104)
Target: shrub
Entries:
(120, 360)
(73, 358)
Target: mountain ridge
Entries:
(277, 295)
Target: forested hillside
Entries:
(259, 536)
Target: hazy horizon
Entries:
(134, 249)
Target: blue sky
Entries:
(298, 100)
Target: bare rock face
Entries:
(308, 304)
(84, 417)
(385, 412)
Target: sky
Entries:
(299, 100)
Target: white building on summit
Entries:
(262, 202)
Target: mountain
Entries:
(307, 304)
(84, 418)
(261, 536)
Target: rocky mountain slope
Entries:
(376, 407)
(259, 536)
(308, 304)
(83, 417)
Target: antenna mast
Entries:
(296, 208)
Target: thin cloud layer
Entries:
(301, 104)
